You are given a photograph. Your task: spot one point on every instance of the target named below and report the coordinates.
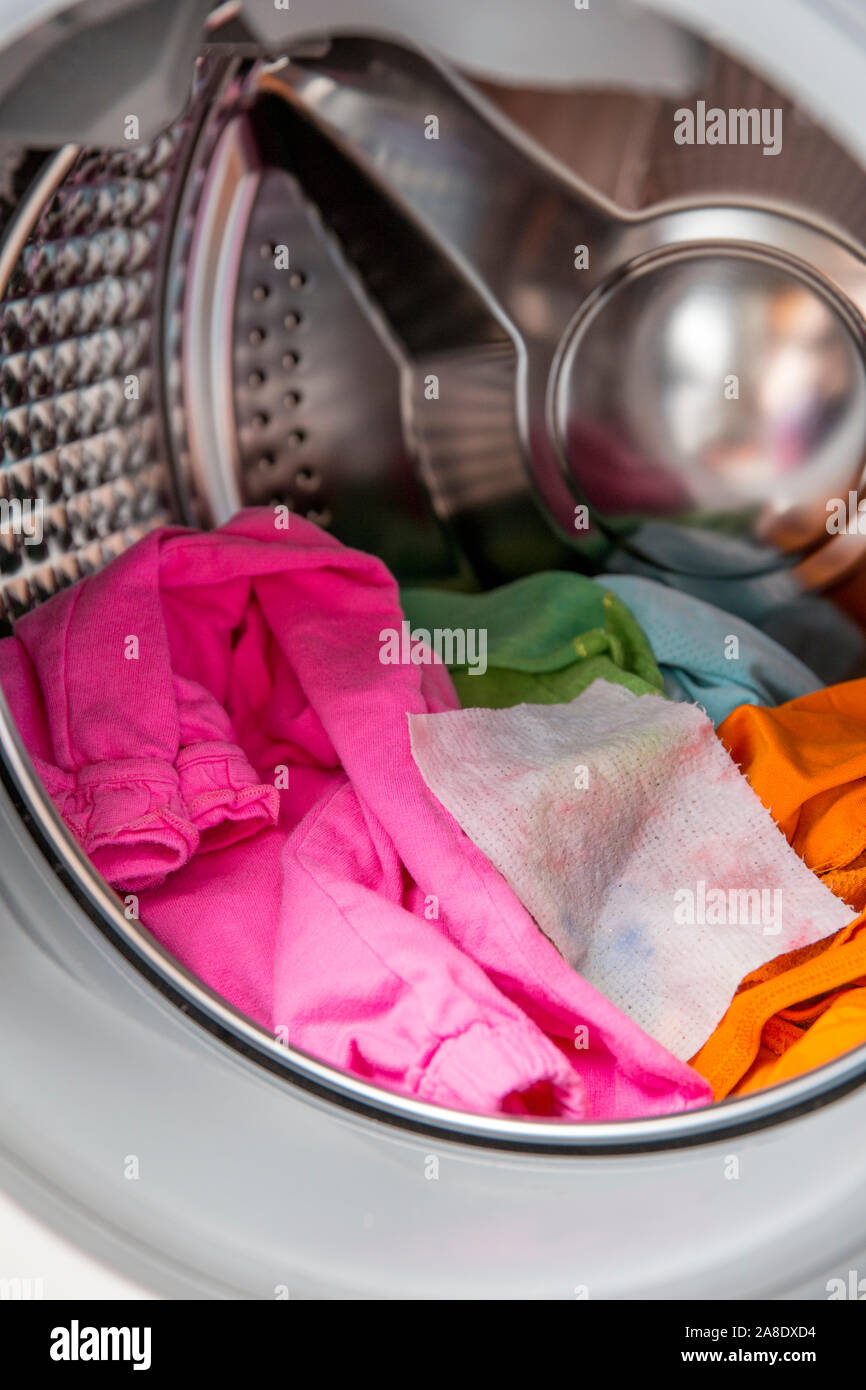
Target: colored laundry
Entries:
(548, 637)
(625, 828)
(820, 632)
(214, 722)
(807, 762)
(774, 1008)
(692, 643)
(788, 1051)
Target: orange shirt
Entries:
(806, 760)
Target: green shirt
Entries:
(549, 636)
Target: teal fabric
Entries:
(691, 643)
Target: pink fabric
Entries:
(310, 907)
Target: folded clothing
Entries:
(625, 828)
(806, 760)
(213, 718)
(546, 638)
(692, 643)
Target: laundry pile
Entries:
(487, 850)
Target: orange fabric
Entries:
(730, 1050)
(807, 762)
(840, 1028)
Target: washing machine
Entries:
(437, 172)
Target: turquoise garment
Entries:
(691, 641)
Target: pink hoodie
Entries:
(212, 719)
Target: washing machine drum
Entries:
(461, 295)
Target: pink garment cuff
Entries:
(507, 1068)
(139, 819)
(223, 795)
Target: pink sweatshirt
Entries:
(212, 719)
